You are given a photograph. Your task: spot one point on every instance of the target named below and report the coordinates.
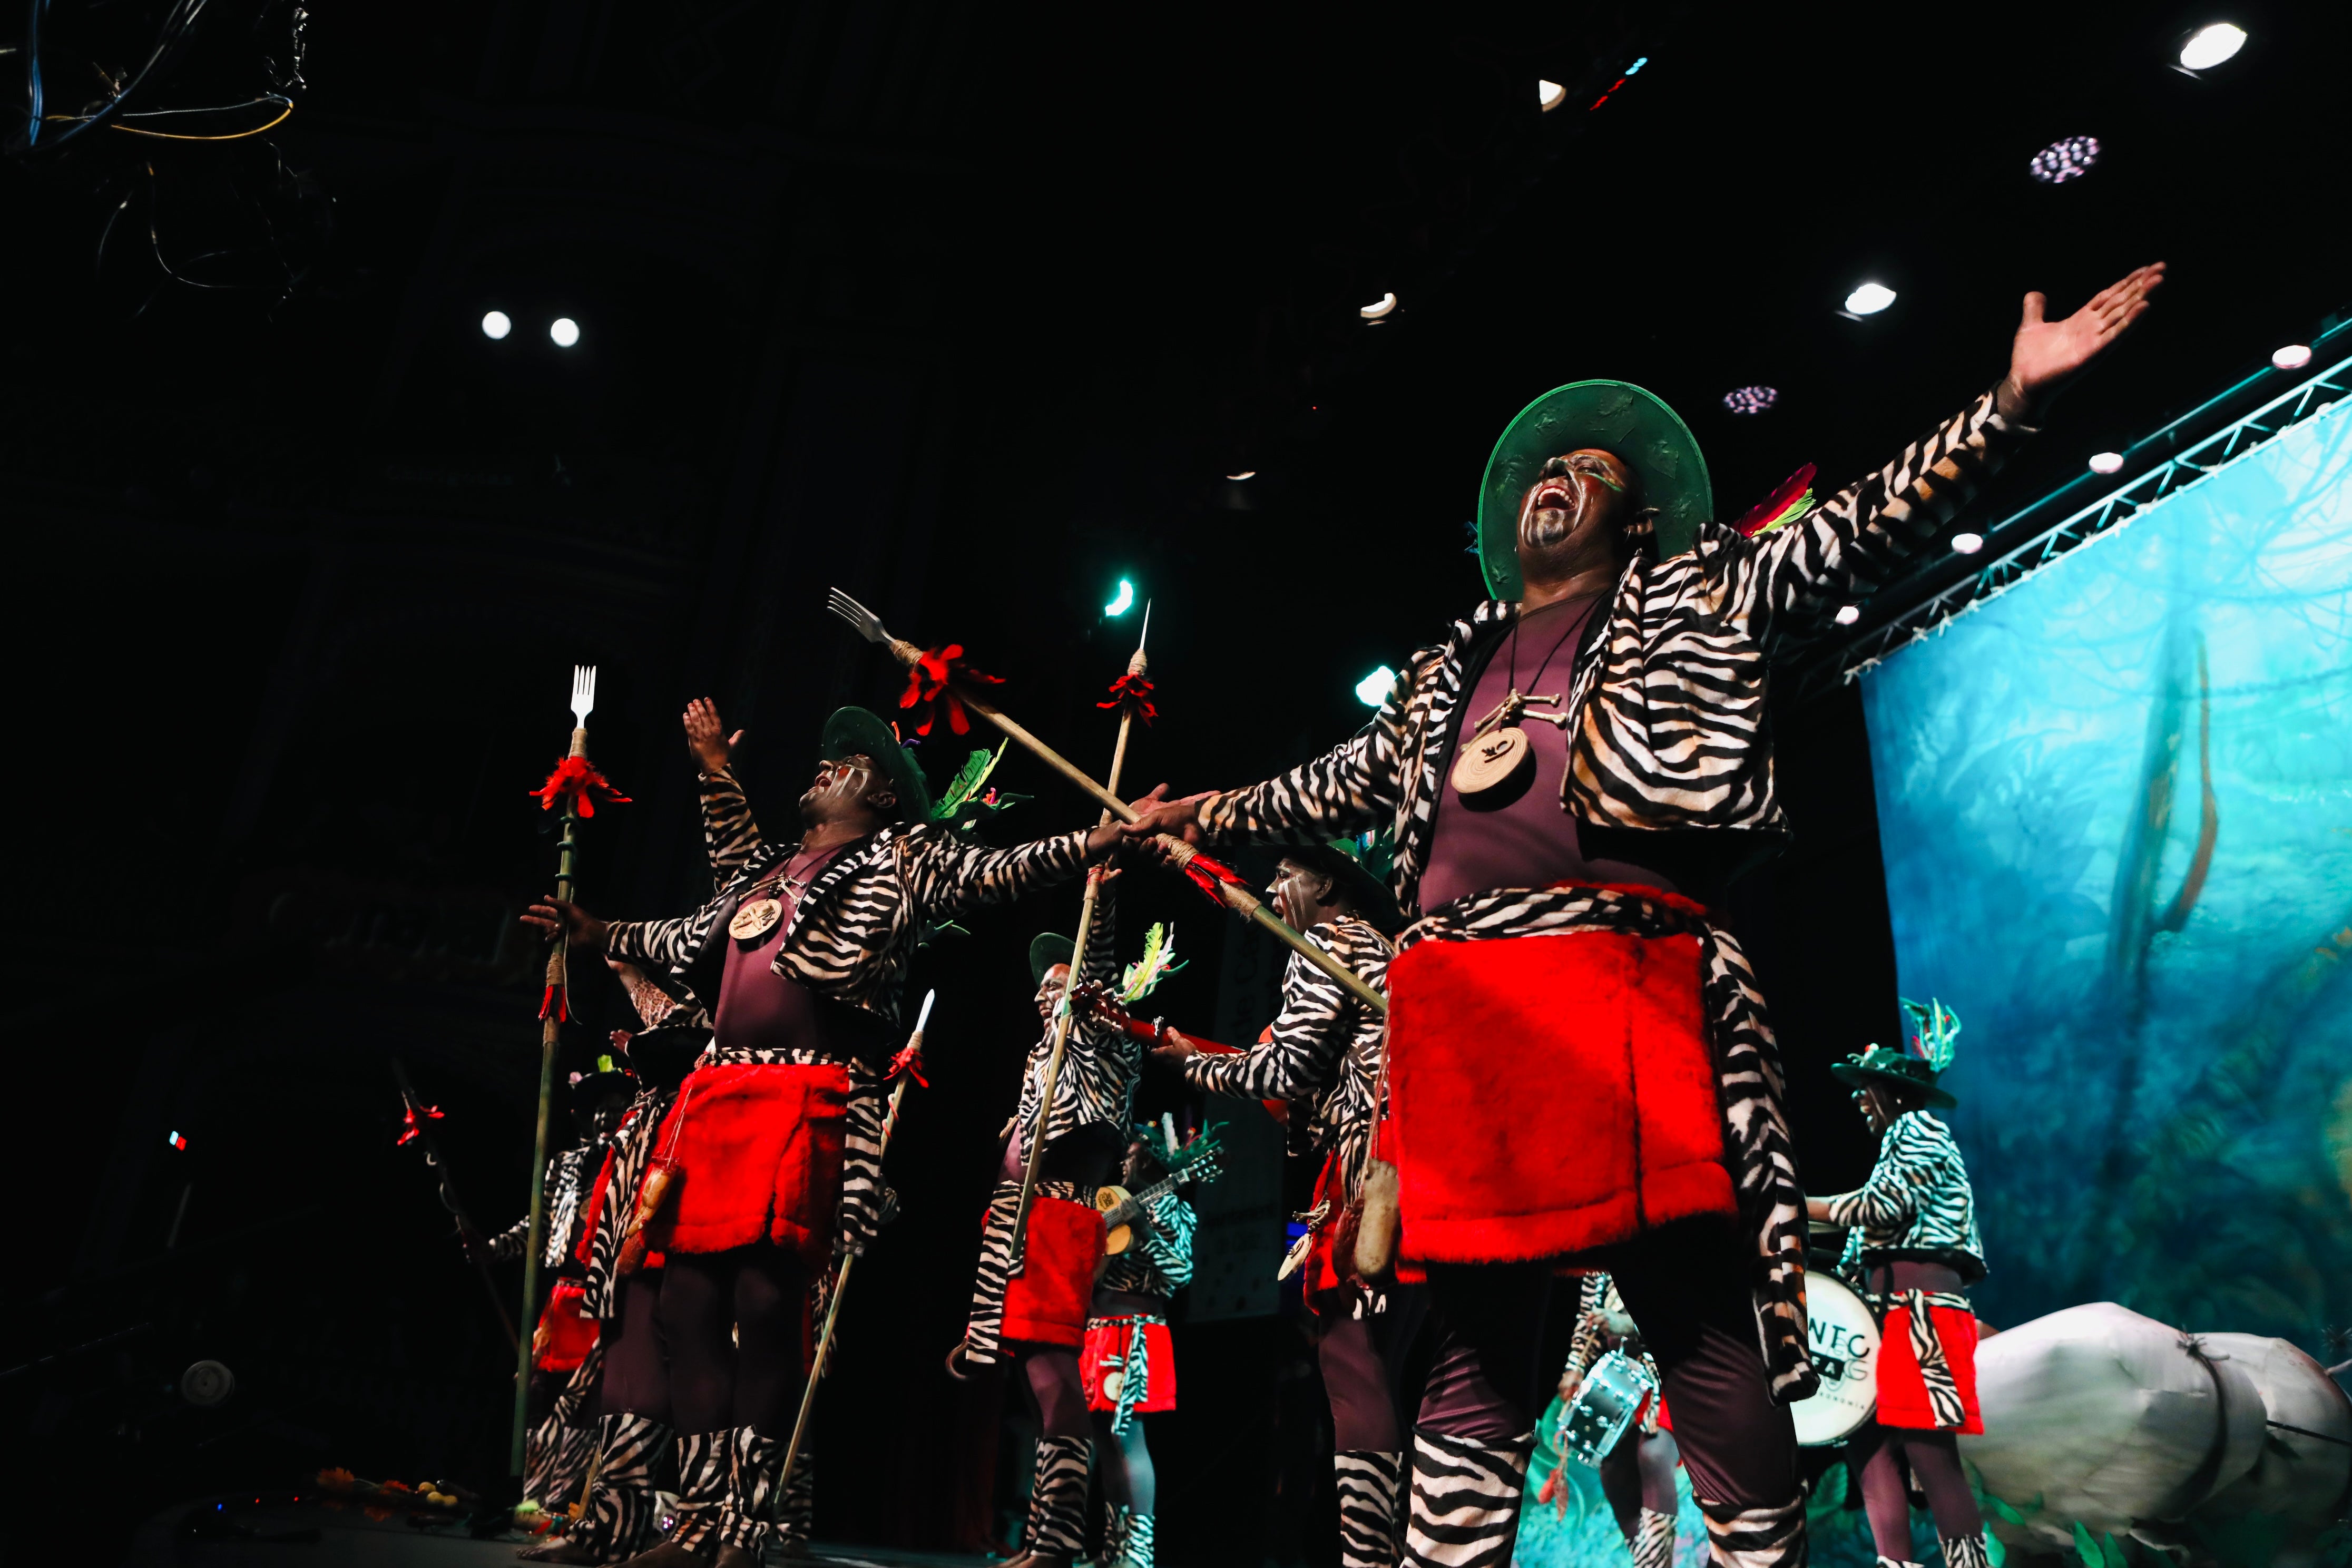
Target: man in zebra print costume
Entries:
(1638, 1475)
(1563, 970)
(1912, 1248)
(1031, 1309)
(776, 1136)
(1324, 1048)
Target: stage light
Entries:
(1848, 613)
(2064, 159)
(1869, 299)
(2208, 47)
(2107, 462)
(563, 332)
(1379, 309)
(1750, 399)
(2293, 356)
(1551, 95)
(172, 1140)
(1374, 689)
(1966, 544)
(1244, 474)
(1122, 601)
(495, 325)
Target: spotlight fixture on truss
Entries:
(1750, 399)
(2068, 158)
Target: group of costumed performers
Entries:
(1572, 776)
(1637, 1475)
(766, 1165)
(1322, 1055)
(1911, 1249)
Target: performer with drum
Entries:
(1912, 1247)
(1637, 1470)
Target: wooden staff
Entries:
(911, 1058)
(420, 1119)
(1233, 897)
(552, 1009)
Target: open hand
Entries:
(707, 738)
(575, 924)
(2045, 355)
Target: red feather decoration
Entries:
(933, 676)
(1136, 687)
(1205, 874)
(576, 781)
(411, 1129)
(909, 1060)
(1782, 507)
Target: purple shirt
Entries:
(1531, 842)
(758, 1009)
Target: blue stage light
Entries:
(1122, 601)
(1374, 689)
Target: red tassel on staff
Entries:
(576, 779)
(553, 1002)
(932, 677)
(1205, 874)
(411, 1129)
(909, 1061)
(1133, 686)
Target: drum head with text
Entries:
(1843, 1343)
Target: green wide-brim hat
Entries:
(1342, 861)
(1047, 949)
(1615, 416)
(854, 731)
(1879, 1065)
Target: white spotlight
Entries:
(1847, 615)
(1374, 689)
(495, 325)
(2208, 47)
(1966, 544)
(1551, 95)
(2293, 356)
(1750, 399)
(1379, 309)
(2066, 159)
(1869, 299)
(2107, 462)
(563, 332)
(1244, 474)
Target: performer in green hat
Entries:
(1912, 1248)
(804, 953)
(1573, 775)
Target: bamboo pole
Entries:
(913, 1054)
(433, 1157)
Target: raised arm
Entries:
(728, 829)
(1791, 585)
(949, 875)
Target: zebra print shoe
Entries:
(619, 1514)
(795, 1511)
(1772, 1536)
(755, 1464)
(1654, 1539)
(1465, 1501)
(1135, 1544)
(705, 1463)
(1367, 1479)
(1966, 1552)
(1886, 1561)
(1057, 1502)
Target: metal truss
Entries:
(2101, 518)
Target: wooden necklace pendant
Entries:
(1497, 762)
(756, 918)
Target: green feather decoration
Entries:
(969, 780)
(1936, 1029)
(1142, 977)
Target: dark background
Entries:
(969, 313)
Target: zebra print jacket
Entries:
(1325, 1047)
(1160, 1261)
(1917, 1204)
(1667, 732)
(1099, 1064)
(569, 1175)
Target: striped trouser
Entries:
(1465, 1512)
(1367, 1480)
(1058, 1501)
(619, 1517)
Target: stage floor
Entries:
(231, 1533)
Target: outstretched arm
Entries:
(1792, 585)
(949, 875)
(728, 829)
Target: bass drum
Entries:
(1842, 1338)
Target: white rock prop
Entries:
(2109, 1418)
(2304, 1467)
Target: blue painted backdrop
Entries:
(2117, 809)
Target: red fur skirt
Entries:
(1551, 1094)
(760, 1151)
(1903, 1392)
(1045, 1302)
(566, 1332)
(1105, 1352)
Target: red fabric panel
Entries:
(761, 1148)
(1046, 1303)
(1108, 1340)
(566, 1333)
(1551, 1094)
(595, 1206)
(1901, 1395)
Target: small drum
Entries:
(1843, 1343)
(1606, 1404)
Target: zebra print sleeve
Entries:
(1351, 788)
(1102, 940)
(1302, 1055)
(866, 1200)
(1169, 1245)
(1791, 584)
(657, 944)
(1907, 1161)
(728, 829)
(949, 875)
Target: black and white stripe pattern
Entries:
(1367, 1482)
(797, 1502)
(1135, 1541)
(984, 1334)
(706, 1465)
(1099, 1064)
(1058, 1500)
(1766, 1537)
(755, 1464)
(1918, 1307)
(1964, 1552)
(556, 1452)
(1160, 1261)
(566, 1188)
(1654, 1539)
(1465, 1512)
(619, 1517)
(1916, 1204)
(1886, 1561)
(1326, 1046)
